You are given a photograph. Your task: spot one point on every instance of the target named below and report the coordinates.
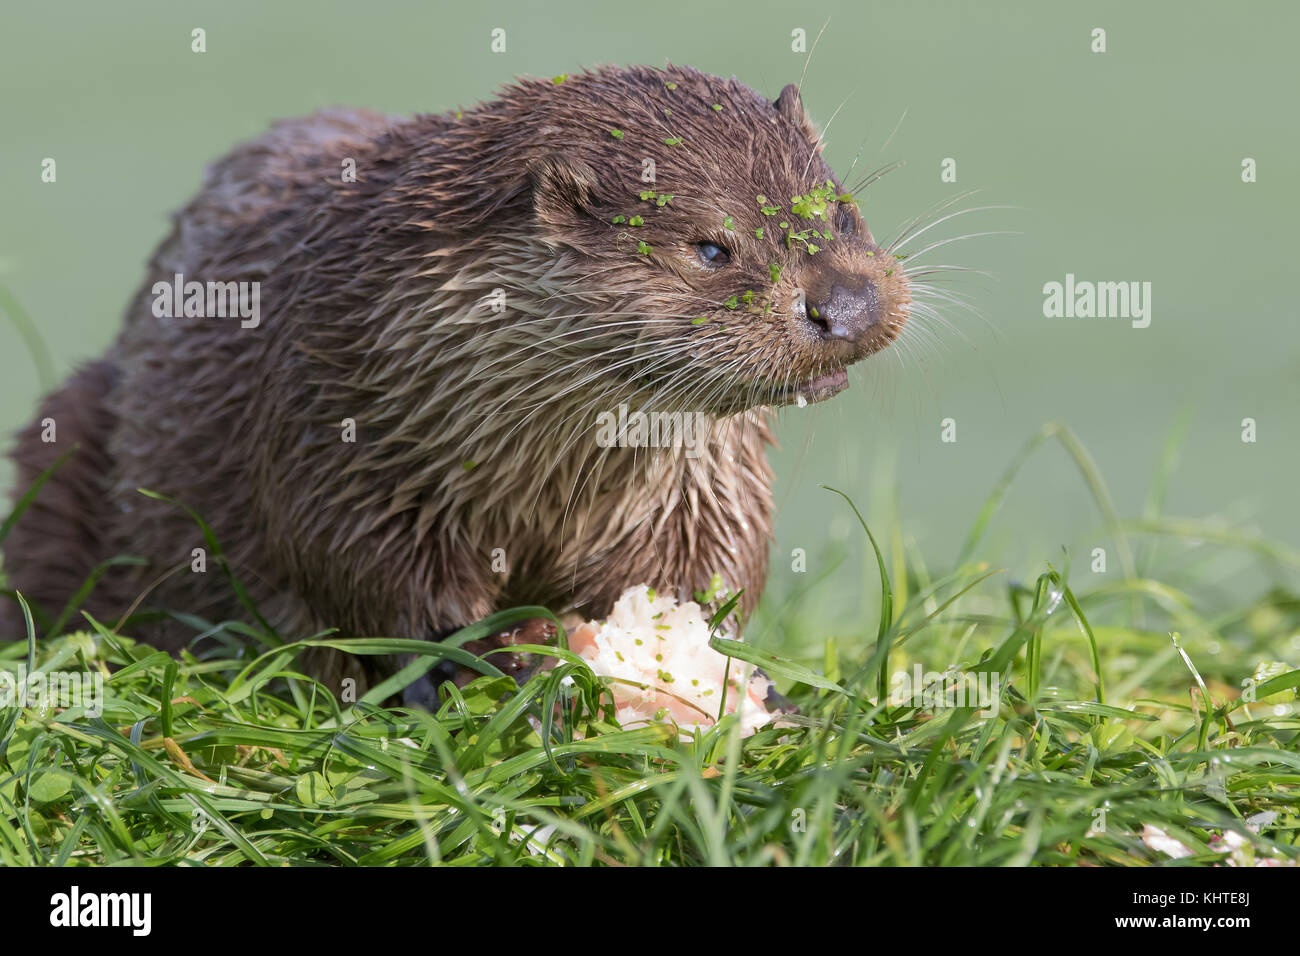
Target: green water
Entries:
(1121, 166)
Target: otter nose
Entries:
(845, 314)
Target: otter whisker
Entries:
(821, 137)
(665, 354)
(589, 335)
(925, 216)
(808, 60)
(938, 222)
(874, 176)
(897, 126)
(912, 256)
(942, 270)
(603, 370)
(954, 299)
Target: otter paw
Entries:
(520, 666)
(493, 649)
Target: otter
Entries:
(405, 439)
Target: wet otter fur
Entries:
(474, 425)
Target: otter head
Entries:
(707, 212)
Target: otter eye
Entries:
(712, 254)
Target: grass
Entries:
(1121, 707)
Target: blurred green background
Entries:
(1121, 166)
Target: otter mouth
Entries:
(816, 389)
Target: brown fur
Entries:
(374, 308)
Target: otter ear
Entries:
(564, 189)
(789, 106)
